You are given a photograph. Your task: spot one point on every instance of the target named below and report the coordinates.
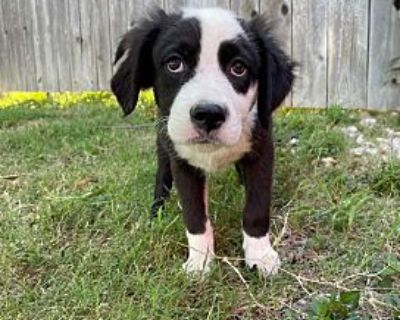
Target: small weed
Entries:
(385, 180)
(337, 115)
(347, 210)
(320, 144)
(336, 307)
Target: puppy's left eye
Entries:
(238, 69)
(175, 65)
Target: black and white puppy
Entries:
(216, 80)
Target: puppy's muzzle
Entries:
(208, 117)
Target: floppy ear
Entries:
(136, 70)
(275, 76)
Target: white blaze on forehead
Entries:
(217, 20)
(217, 25)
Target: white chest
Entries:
(210, 158)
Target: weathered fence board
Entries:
(309, 47)
(175, 4)
(348, 51)
(4, 65)
(101, 43)
(384, 56)
(245, 8)
(10, 20)
(25, 24)
(36, 47)
(75, 60)
(89, 68)
(63, 49)
(44, 44)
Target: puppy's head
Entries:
(208, 69)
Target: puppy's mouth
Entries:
(201, 140)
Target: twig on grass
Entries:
(242, 279)
(368, 293)
(256, 302)
(301, 280)
(210, 312)
(356, 276)
(130, 127)
(299, 312)
(373, 301)
(10, 177)
(279, 238)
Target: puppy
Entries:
(216, 80)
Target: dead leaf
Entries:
(10, 177)
(84, 182)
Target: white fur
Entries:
(211, 158)
(201, 251)
(259, 252)
(210, 84)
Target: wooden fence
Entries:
(349, 50)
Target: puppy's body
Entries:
(216, 80)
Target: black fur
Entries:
(180, 38)
(190, 183)
(255, 170)
(164, 178)
(276, 77)
(396, 4)
(136, 72)
(246, 52)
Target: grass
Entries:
(76, 241)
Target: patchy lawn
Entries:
(76, 241)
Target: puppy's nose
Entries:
(208, 117)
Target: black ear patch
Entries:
(276, 76)
(136, 71)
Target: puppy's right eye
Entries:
(238, 69)
(175, 65)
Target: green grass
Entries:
(76, 241)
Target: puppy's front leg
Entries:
(163, 178)
(257, 174)
(191, 185)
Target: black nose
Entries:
(208, 116)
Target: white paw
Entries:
(259, 252)
(201, 251)
(198, 264)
